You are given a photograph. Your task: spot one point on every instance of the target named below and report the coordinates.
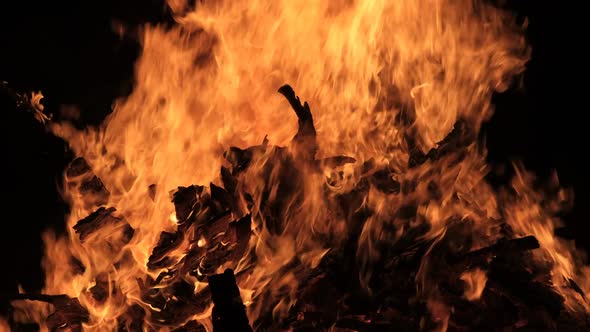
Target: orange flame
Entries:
(475, 283)
(209, 83)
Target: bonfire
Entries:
(214, 198)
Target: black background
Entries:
(67, 49)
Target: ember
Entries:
(198, 205)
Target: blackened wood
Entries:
(79, 177)
(175, 303)
(184, 200)
(458, 138)
(222, 198)
(304, 142)
(191, 326)
(504, 246)
(240, 159)
(229, 313)
(95, 221)
(335, 161)
(100, 291)
(167, 242)
(77, 167)
(576, 287)
(68, 315)
(230, 183)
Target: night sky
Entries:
(68, 50)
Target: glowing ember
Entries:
(374, 190)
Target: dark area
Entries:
(229, 313)
(75, 58)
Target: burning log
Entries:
(455, 142)
(167, 243)
(184, 200)
(101, 219)
(80, 178)
(101, 291)
(240, 159)
(68, 315)
(304, 143)
(191, 326)
(502, 247)
(229, 313)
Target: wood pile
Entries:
(518, 294)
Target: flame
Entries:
(475, 283)
(386, 80)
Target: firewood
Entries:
(229, 314)
(502, 247)
(335, 161)
(80, 178)
(222, 198)
(167, 242)
(184, 200)
(100, 291)
(100, 219)
(304, 143)
(230, 183)
(240, 159)
(175, 303)
(347, 290)
(191, 326)
(458, 138)
(68, 315)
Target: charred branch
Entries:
(460, 137)
(304, 143)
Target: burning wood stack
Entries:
(499, 287)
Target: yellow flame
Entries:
(210, 82)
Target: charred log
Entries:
(175, 303)
(100, 219)
(240, 159)
(191, 326)
(459, 138)
(68, 315)
(167, 242)
(184, 200)
(304, 143)
(229, 313)
(81, 178)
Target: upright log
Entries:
(229, 314)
